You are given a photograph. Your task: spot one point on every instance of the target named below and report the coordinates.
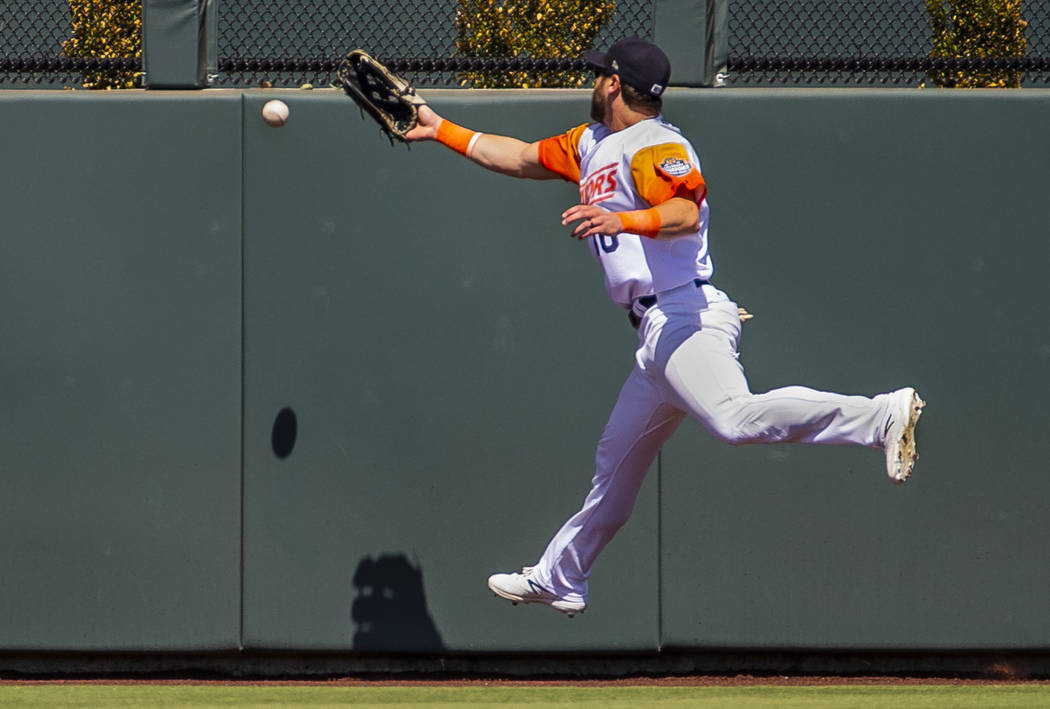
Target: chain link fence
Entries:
(283, 44)
(861, 42)
(771, 43)
(32, 35)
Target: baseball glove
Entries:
(388, 98)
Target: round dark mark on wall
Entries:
(285, 429)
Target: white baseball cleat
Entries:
(522, 588)
(899, 438)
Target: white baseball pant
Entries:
(686, 363)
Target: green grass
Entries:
(56, 696)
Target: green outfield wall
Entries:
(176, 273)
(120, 372)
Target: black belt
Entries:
(648, 301)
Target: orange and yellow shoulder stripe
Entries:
(561, 153)
(664, 171)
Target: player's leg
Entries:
(707, 377)
(639, 425)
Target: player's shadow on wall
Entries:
(390, 609)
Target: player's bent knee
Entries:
(730, 436)
(730, 429)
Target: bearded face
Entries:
(598, 100)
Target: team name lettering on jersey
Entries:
(600, 185)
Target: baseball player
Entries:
(643, 212)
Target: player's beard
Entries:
(597, 105)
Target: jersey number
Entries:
(607, 243)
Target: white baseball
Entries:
(275, 113)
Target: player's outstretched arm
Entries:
(499, 153)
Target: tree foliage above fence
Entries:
(107, 29)
(536, 29)
(977, 29)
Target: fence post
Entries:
(694, 35)
(176, 43)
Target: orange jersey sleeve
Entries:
(664, 171)
(561, 153)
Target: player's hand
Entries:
(427, 125)
(592, 220)
(744, 315)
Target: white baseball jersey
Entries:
(636, 168)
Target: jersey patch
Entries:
(676, 167)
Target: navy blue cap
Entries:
(639, 64)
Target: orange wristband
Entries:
(456, 137)
(644, 222)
